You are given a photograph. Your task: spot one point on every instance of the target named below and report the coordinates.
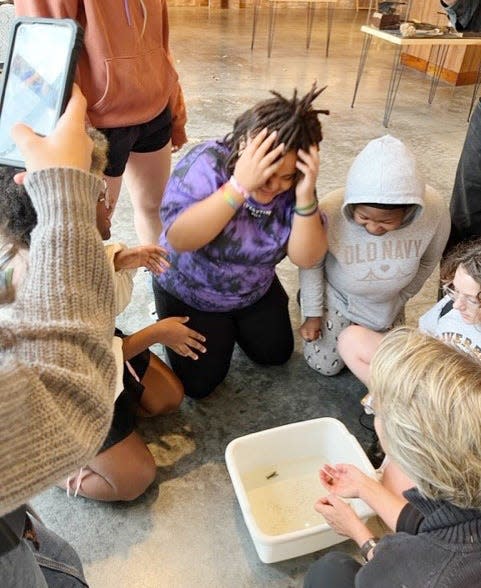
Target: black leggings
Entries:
(263, 330)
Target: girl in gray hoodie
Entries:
(387, 231)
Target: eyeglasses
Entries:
(470, 301)
(367, 403)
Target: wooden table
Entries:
(442, 43)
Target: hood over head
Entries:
(385, 172)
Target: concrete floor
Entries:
(188, 529)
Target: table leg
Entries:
(330, 17)
(441, 52)
(475, 91)
(310, 19)
(254, 22)
(362, 62)
(396, 73)
(272, 22)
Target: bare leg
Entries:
(163, 391)
(113, 190)
(121, 472)
(146, 176)
(356, 346)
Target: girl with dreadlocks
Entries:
(232, 210)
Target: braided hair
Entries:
(295, 120)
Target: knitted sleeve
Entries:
(57, 370)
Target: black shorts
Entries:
(127, 403)
(144, 138)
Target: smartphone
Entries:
(37, 78)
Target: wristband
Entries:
(307, 207)
(228, 197)
(238, 187)
(308, 213)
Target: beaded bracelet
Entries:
(238, 187)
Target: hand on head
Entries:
(308, 164)
(258, 161)
(67, 146)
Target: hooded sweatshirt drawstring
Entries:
(128, 14)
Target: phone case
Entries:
(74, 48)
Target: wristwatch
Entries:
(367, 546)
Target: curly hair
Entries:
(468, 255)
(428, 398)
(17, 214)
(295, 120)
(16, 211)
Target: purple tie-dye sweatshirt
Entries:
(236, 268)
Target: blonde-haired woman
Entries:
(427, 400)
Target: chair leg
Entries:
(272, 22)
(311, 8)
(254, 22)
(330, 16)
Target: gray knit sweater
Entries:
(56, 369)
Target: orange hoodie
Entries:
(125, 69)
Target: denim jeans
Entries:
(55, 564)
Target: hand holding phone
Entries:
(37, 78)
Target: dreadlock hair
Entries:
(295, 120)
(17, 214)
(467, 255)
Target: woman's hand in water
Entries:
(342, 518)
(258, 161)
(308, 164)
(344, 480)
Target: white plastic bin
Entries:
(275, 474)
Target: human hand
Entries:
(67, 146)
(173, 333)
(308, 164)
(341, 517)
(152, 257)
(310, 329)
(258, 161)
(344, 480)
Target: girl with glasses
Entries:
(456, 318)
